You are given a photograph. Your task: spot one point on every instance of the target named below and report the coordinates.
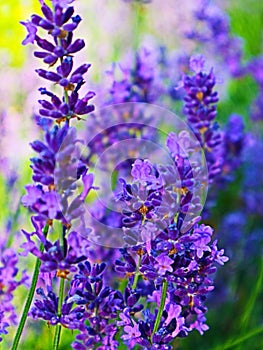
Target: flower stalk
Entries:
(58, 326)
(30, 296)
(161, 308)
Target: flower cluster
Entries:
(212, 28)
(200, 110)
(9, 282)
(234, 139)
(60, 48)
(140, 79)
(172, 268)
(153, 289)
(57, 169)
(102, 306)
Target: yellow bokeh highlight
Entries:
(12, 32)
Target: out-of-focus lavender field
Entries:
(201, 61)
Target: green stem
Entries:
(137, 273)
(253, 298)
(231, 344)
(29, 297)
(60, 300)
(139, 24)
(161, 308)
(66, 96)
(60, 303)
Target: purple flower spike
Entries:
(200, 109)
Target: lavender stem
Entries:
(160, 311)
(29, 297)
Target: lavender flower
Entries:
(140, 81)
(64, 259)
(234, 139)
(150, 199)
(61, 32)
(184, 260)
(8, 284)
(46, 308)
(200, 110)
(213, 31)
(57, 168)
(102, 304)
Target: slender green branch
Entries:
(233, 343)
(136, 26)
(60, 298)
(139, 22)
(161, 308)
(137, 273)
(58, 326)
(29, 297)
(253, 298)
(66, 96)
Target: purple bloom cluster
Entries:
(9, 282)
(57, 166)
(55, 22)
(200, 109)
(185, 262)
(62, 260)
(182, 260)
(102, 305)
(252, 182)
(140, 81)
(213, 30)
(46, 308)
(164, 270)
(55, 172)
(234, 140)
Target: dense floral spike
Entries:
(57, 169)
(140, 79)
(234, 140)
(63, 260)
(186, 261)
(55, 22)
(252, 192)
(212, 29)
(46, 308)
(200, 110)
(102, 306)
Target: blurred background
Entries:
(113, 30)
